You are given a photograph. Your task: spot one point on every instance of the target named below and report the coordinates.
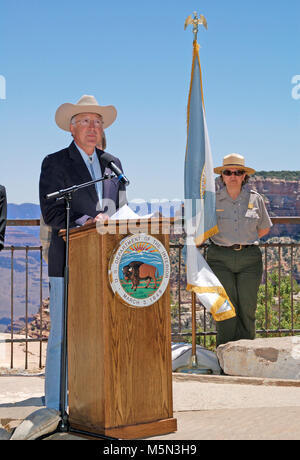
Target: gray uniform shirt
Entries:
(239, 220)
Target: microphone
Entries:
(109, 161)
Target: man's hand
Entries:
(89, 221)
(101, 217)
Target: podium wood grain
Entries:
(119, 357)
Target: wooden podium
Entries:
(119, 357)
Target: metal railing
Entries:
(181, 327)
(15, 261)
(181, 299)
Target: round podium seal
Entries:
(139, 270)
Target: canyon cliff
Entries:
(282, 198)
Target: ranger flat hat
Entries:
(234, 160)
(86, 104)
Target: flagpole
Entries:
(193, 366)
(194, 361)
(195, 21)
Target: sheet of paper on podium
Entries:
(127, 213)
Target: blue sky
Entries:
(136, 55)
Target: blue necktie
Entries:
(97, 184)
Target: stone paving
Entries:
(206, 407)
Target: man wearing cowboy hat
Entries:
(79, 163)
(234, 255)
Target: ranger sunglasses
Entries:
(227, 172)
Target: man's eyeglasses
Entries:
(87, 121)
(227, 172)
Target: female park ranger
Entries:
(234, 255)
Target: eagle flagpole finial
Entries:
(195, 21)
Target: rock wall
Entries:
(282, 198)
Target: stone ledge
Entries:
(275, 358)
(228, 379)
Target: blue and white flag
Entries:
(199, 183)
(200, 204)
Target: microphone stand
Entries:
(67, 194)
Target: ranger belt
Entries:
(237, 247)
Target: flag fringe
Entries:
(224, 315)
(201, 238)
(218, 303)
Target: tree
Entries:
(274, 306)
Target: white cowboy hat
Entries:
(86, 104)
(234, 160)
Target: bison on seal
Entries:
(137, 271)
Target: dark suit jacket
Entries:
(61, 170)
(3, 215)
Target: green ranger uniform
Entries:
(235, 258)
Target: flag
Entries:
(208, 289)
(199, 184)
(200, 203)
